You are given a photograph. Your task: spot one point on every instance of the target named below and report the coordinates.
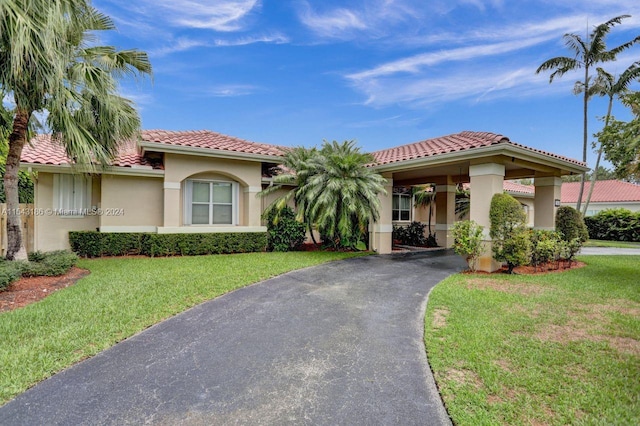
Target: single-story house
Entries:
(202, 181)
(607, 194)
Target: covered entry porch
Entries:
(484, 160)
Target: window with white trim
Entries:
(211, 202)
(401, 209)
(71, 194)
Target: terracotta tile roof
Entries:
(604, 191)
(209, 140)
(43, 149)
(511, 186)
(452, 143)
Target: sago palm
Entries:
(48, 63)
(587, 54)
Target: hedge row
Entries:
(614, 225)
(96, 244)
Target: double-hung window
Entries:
(401, 209)
(71, 194)
(211, 202)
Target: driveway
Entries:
(339, 343)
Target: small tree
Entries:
(467, 241)
(511, 243)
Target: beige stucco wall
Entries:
(52, 230)
(131, 203)
(180, 167)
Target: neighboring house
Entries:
(202, 181)
(607, 194)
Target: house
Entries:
(202, 181)
(607, 194)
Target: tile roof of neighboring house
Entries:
(45, 150)
(457, 142)
(511, 186)
(604, 191)
(209, 140)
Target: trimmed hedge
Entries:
(614, 225)
(96, 244)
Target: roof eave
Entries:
(473, 153)
(111, 170)
(206, 152)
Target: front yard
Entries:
(560, 348)
(121, 297)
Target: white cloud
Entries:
(272, 38)
(231, 90)
(333, 24)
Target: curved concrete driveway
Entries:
(339, 343)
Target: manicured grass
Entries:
(121, 297)
(614, 244)
(554, 349)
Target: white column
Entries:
(544, 204)
(445, 214)
(380, 232)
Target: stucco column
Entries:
(172, 204)
(547, 191)
(253, 206)
(486, 180)
(380, 232)
(445, 214)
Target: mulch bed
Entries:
(28, 290)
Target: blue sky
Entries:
(382, 72)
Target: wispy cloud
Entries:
(332, 24)
(231, 90)
(183, 44)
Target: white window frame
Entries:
(400, 210)
(188, 203)
(72, 195)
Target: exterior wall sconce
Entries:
(557, 202)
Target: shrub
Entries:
(467, 241)
(570, 225)
(508, 231)
(95, 244)
(285, 232)
(614, 225)
(49, 264)
(9, 272)
(411, 235)
(545, 247)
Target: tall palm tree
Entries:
(606, 84)
(588, 53)
(47, 63)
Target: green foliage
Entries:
(614, 225)
(48, 264)
(546, 247)
(508, 231)
(96, 244)
(333, 191)
(467, 241)
(9, 272)
(570, 225)
(285, 232)
(410, 235)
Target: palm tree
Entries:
(47, 63)
(588, 53)
(342, 195)
(332, 189)
(605, 84)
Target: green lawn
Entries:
(615, 244)
(555, 349)
(121, 297)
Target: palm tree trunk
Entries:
(17, 139)
(595, 171)
(585, 136)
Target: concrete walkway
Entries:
(339, 343)
(609, 251)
